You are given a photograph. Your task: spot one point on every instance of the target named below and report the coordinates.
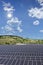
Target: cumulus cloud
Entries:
(41, 31)
(36, 12)
(36, 22)
(40, 2)
(13, 24)
(16, 22)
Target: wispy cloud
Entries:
(13, 24)
(36, 22)
(41, 31)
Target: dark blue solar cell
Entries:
(22, 61)
(26, 62)
(18, 57)
(41, 57)
(42, 61)
(37, 57)
(18, 62)
(38, 62)
(23, 57)
(21, 54)
(32, 57)
(2, 61)
(34, 62)
(28, 57)
(30, 62)
(14, 61)
(6, 61)
(10, 61)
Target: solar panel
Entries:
(21, 54)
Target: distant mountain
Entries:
(9, 39)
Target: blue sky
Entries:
(22, 17)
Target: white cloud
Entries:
(6, 4)
(13, 24)
(13, 20)
(36, 22)
(9, 15)
(40, 2)
(8, 7)
(41, 31)
(7, 28)
(36, 12)
(2, 28)
(19, 29)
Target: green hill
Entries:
(9, 39)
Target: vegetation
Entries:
(9, 40)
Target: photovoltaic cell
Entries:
(21, 54)
(14, 61)
(30, 62)
(38, 62)
(34, 62)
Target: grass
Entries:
(10, 40)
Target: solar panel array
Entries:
(21, 54)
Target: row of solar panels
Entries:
(20, 61)
(21, 55)
(21, 48)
